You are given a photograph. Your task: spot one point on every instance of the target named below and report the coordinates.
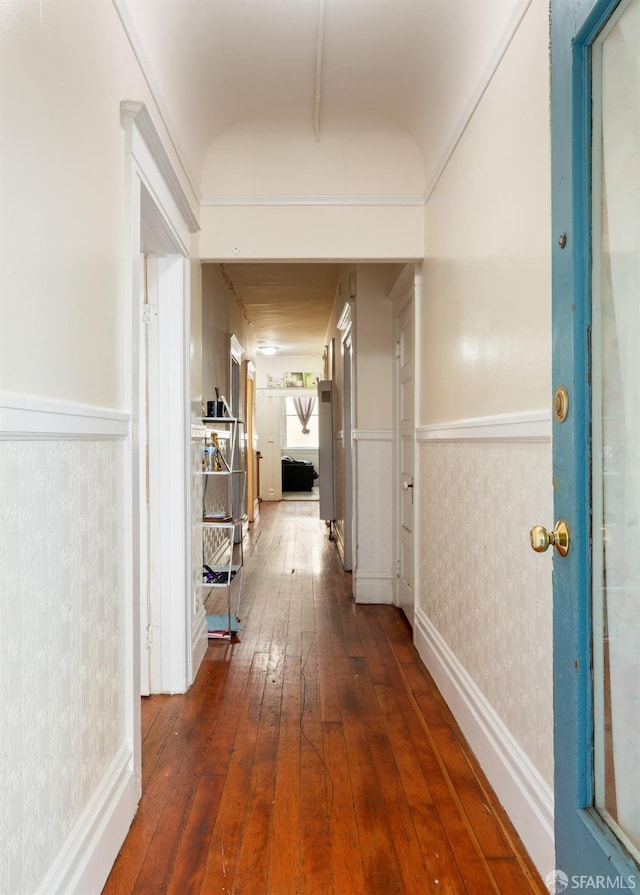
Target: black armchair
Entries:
(297, 475)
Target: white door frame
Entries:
(405, 290)
(157, 200)
(348, 558)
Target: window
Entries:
(293, 434)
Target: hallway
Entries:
(314, 754)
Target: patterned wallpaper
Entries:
(487, 593)
(62, 712)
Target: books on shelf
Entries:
(218, 626)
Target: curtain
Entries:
(304, 409)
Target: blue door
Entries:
(596, 442)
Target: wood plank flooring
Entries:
(314, 754)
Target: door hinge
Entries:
(398, 350)
(149, 636)
(149, 313)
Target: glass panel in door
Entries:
(616, 422)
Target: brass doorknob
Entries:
(541, 539)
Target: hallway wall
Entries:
(67, 613)
(310, 229)
(69, 778)
(484, 599)
(372, 419)
(216, 317)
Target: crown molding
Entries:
(519, 12)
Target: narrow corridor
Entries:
(313, 754)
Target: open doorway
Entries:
(160, 651)
(287, 424)
(163, 468)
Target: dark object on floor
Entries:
(297, 475)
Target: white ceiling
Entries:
(418, 65)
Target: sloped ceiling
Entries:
(419, 66)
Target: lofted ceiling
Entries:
(312, 68)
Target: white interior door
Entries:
(269, 419)
(405, 428)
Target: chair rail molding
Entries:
(373, 434)
(527, 426)
(23, 416)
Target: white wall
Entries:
(487, 314)
(222, 317)
(355, 193)
(65, 67)
(373, 375)
(196, 347)
(357, 156)
(374, 346)
(372, 415)
(216, 334)
(70, 774)
(483, 616)
(484, 600)
(285, 229)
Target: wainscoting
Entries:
(483, 622)
(69, 783)
(373, 579)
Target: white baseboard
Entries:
(87, 856)
(526, 797)
(369, 587)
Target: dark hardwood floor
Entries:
(314, 754)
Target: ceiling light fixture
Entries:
(267, 349)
